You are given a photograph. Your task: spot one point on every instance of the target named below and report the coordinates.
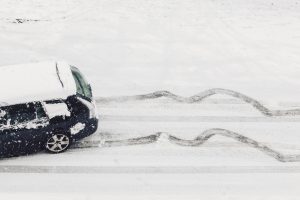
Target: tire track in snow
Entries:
(200, 97)
(198, 141)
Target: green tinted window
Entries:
(82, 86)
(78, 85)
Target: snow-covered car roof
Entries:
(35, 82)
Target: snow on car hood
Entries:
(35, 82)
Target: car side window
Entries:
(40, 111)
(22, 113)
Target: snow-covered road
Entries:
(150, 186)
(221, 168)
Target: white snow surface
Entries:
(129, 47)
(132, 47)
(221, 168)
(36, 82)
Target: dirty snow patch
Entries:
(77, 128)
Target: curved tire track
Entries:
(198, 141)
(200, 97)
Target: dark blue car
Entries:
(48, 110)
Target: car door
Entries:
(4, 130)
(24, 129)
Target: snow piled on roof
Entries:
(35, 82)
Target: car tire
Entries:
(58, 143)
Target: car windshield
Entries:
(82, 86)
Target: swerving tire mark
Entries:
(200, 97)
(198, 141)
(201, 139)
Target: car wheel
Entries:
(58, 143)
